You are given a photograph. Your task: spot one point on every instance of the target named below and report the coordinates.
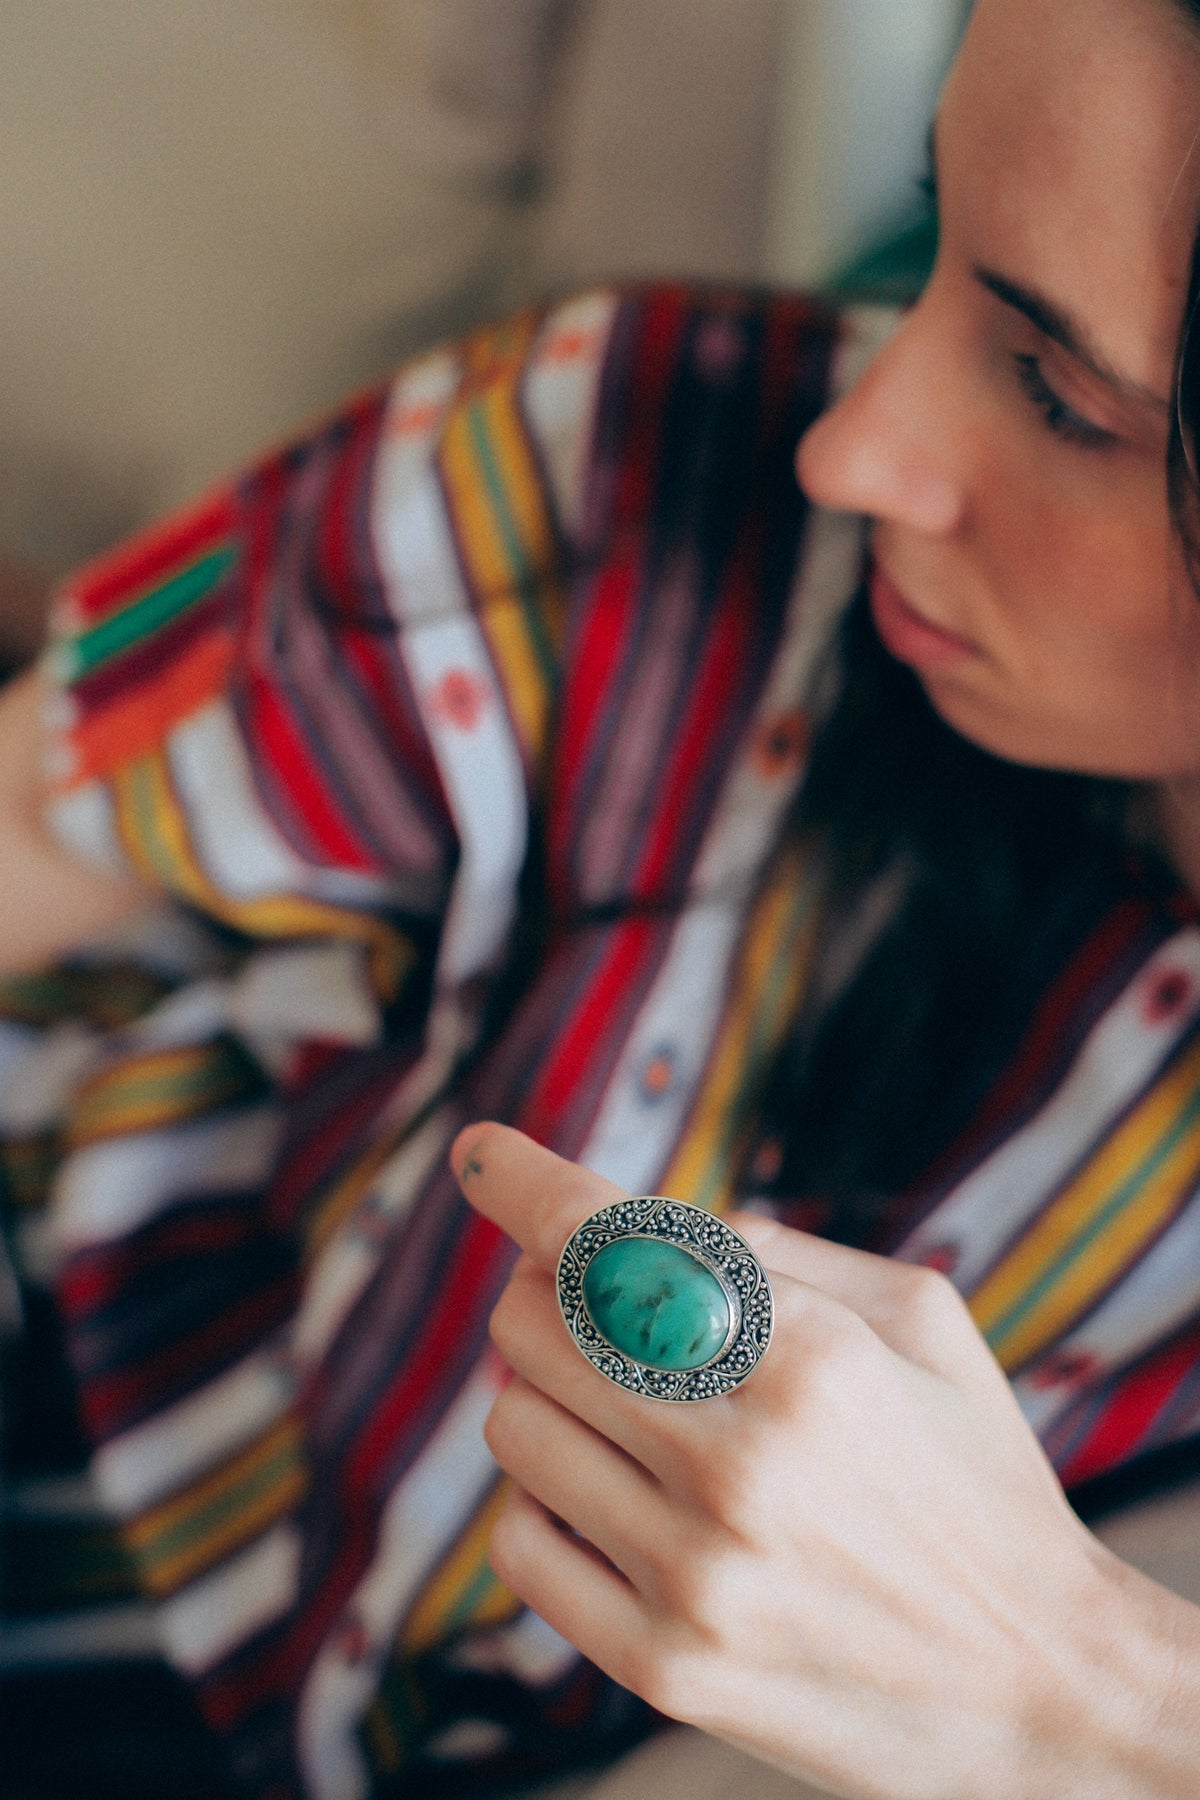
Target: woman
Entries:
(857, 1567)
(284, 709)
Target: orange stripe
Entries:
(138, 723)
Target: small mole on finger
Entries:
(472, 1163)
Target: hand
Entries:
(858, 1566)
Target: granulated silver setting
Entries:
(711, 1242)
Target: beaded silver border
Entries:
(713, 1243)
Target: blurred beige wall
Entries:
(217, 215)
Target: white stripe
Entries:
(1118, 1058)
(111, 1188)
(221, 1610)
(426, 388)
(421, 1520)
(559, 398)
(633, 1137)
(84, 821)
(40, 1072)
(117, 1634)
(750, 809)
(480, 767)
(156, 1458)
(345, 1266)
(1148, 1304)
(234, 838)
(528, 1648)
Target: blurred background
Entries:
(218, 215)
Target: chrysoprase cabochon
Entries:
(659, 1305)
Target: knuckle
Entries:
(931, 1305)
(722, 1480)
(502, 1324)
(664, 1676)
(499, 1431)
(736, 1490)
(702, 1591)
(504, 1549)
(832, 1365)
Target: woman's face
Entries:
(1009, 442)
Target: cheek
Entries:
(1094, 629)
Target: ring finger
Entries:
(582, 1479)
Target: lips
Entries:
(909, 637)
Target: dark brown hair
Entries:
(954, 888)
(1183, 463)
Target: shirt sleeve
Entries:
(316, 703)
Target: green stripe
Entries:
(207, 1521)
(482, 1583)
(1077, 1247)
(150, 614)
(527, 577)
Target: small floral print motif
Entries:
(570, 344)
(767, 1161)
(943, 1260)
(351, 1642)
(1063, 1368)
(658, 1073)
(416, 419)
(781, 745)
(719, 349)
(1171, 993)
(460, 699)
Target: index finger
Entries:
(538, 1198)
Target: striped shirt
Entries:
(464, 735)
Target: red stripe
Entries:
(683, 784)
(94, 1280)
(420, 1383)
(369, 640)
(231, 1694)
(1132, 1411)
(586, 700)
(151, 557)
(331, 1144)
(112, 1402)
(278, 743)
(662, 318)
(590, 1026)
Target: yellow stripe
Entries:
(1079, 1209)
(165, 1087)
(491, 570)
(329, 1209)
(153, 829)
(704, 1166)
(222, 1511)
(436, 1605)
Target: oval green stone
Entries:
(657, 1304)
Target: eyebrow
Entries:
(1055, 323)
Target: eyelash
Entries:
(1060, 419)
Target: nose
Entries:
(887, 449)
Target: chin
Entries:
(1031, 743)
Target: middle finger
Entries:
(583, 1479)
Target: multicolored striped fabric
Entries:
(475, 722)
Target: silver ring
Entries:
(687, 1317)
